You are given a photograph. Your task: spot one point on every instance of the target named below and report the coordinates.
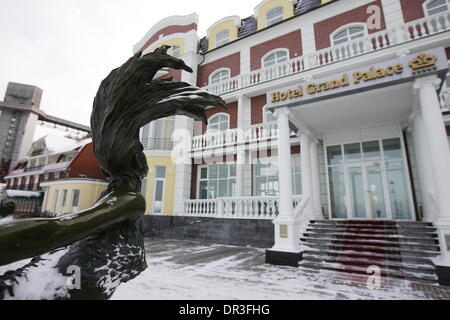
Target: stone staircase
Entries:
(402, 250)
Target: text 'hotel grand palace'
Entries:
(334, 150)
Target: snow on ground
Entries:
(181, 270)
(6, 220)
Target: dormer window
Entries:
(274, 16)
(222, 38)
(276, 57)
(348, 33)
(437, 6)
(220, 76)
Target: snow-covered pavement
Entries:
(181, 270)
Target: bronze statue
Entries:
(106, 242)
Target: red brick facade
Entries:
(325, 28)
(85, 163)
(291, 41)
(257, 109)
(232, 62)
(412, 9)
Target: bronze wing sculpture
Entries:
(105, 242)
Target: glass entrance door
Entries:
(369, 180)
(367, 191)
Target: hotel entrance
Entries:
(369, 180)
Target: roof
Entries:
(55, 167)
(250, 26)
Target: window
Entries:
(75, 200)
(266, 176)
(275, 58)
(269, 116)
(437, 6)
(274, 15)
(176, 51)
(158, 197)
(144, 187)
(55, 201)
(217, 181)
(63, 201)
(157, 135)
(223, 37)
(348, 33)
(220, 76)
(220, 122)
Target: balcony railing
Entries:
(256, 133)
(262, 208)
(384, 39)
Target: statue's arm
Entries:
(33, 237)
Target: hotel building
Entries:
(336, 133)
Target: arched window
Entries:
(176, 51)
(219, 122)
(223, 37)
(274, 15)
(348, 33)
(437, 6)
(220, 76)
(275, 58)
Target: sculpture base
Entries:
(279, 258)
(443, 274)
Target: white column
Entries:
(425, 170)
(287, 238)
(240, 154)
(315, 181)
(439, 155)
(240, 171)
(305, 154)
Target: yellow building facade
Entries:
(159, 186)
(67, 196)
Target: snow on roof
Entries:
(23, 194)
(55, 143)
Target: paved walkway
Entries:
(181, 270)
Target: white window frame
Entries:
(199, 179)
(274, 52)
(347, 28)
(427, 3)
(225, 40)
(155, 180)
(222, 79)
(274, 20)
(209, 129)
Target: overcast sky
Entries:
(66, 47)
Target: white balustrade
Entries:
(262, 208)
(376, 41)
(256, 133)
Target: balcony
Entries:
(377, 41)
